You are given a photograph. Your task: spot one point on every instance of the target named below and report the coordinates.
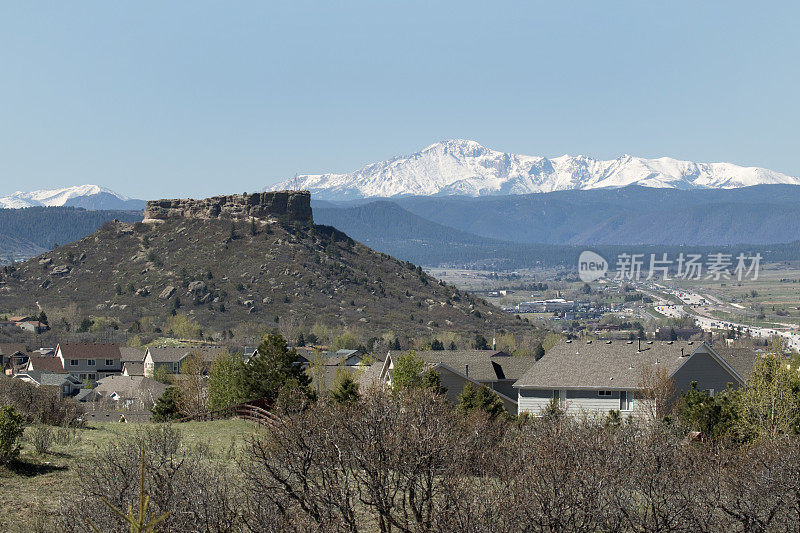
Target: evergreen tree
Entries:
(346, 391)
(274, 367)
(538, 352)
(437, 345)
(480, 342)
(481, 398)
(12, 426)
(166, 407)
(407, 371)
(431, 380)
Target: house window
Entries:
(90, 362)
(109, 362)
(604, 393)
(73, 362)
(561, 397)
(625, 401)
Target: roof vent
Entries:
(569, 341)
(589, 342)
(629, 342)
(691, 342)
(649, 342)
(608, 342)
(669, 342)
(630, 367)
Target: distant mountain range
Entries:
(395, 230)
(86, 196)
(465, 168)
(524, 228)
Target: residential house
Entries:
(167, 357)
(595, 377)
(131, 368)
(44, 363)
(90, 361)
(129, 392)
(172, 358)
(131, 354)
(494, 369)
(25, 324)
(12, 356)
(67, 384)
(132, 360)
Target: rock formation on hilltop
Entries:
(291, 206)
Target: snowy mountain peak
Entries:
(87, 196)
(465, 167)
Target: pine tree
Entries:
(538, 352)
(274, 367)
(474, 398)
(346, 391)
(166, 407)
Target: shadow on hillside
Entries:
(25, 469)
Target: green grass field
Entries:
(30, 490)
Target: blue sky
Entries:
(156, 99)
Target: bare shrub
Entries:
(42, 438)
(178, 478)
(39, 404)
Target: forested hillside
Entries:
(30, 231)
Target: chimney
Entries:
(494, 343)
(639, 344)
(467, 370)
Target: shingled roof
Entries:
(46, 363)
(480, 365)
(168, 354)
(129, 353)
(604, 364)
(10, 348)
(742, 360)
(89, 351)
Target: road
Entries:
(693, 300)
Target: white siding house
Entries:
(595, 377)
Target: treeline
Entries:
(48, 226)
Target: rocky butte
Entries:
(291, 206)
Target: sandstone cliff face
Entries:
(294, 206)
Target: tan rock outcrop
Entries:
(294, 206)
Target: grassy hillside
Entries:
(231, 278)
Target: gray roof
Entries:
(209, 353)
(742, 360)
(167, 354)
(130, 386)
(480, 365)
(604, 364)
(129, 353)
(49, 378)
(370, 376)
(133, 368)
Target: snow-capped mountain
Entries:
(86, 196)
(463, 167)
